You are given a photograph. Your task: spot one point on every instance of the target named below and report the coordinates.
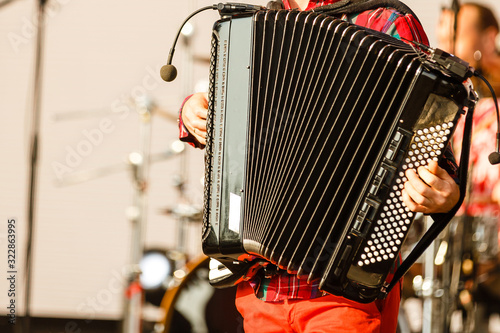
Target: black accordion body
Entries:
(312, 123)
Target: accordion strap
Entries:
(440, 220)
(356, 6)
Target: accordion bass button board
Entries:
(312, 124)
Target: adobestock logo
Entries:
(93, 137)
(29, 27)
(75, 155)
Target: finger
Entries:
(430, 178)
(428, 199)
(433, 166)
(199, 135)
(199, 124)
(410, 204)
(205, 97)
(435, 169)
(417, 196)
(200, 101)
(193, 119)
(436, 177)
(195, 111)
(418, 186)
(200, 112)
(202, 140)
(199, 132)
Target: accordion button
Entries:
(390, 154)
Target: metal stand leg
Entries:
(35, 144)
(140, 168)
(428, 288)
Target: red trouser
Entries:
(324, 314)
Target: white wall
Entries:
(96, 53)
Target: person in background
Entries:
(475, 40)
(284, 303)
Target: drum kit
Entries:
(191, 304)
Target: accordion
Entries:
(312, 123)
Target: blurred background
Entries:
(100, 88)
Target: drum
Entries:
(193, 305)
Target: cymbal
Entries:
(190, 212)
(168, 115)
(82, 114)
(201, 59)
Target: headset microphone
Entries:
(494, 157)
(168, 72)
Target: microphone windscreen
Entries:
(494, 158)
(168, 73)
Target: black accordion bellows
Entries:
(312, 123)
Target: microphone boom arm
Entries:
(168, 72)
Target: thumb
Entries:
(433, 167)
(205, 99)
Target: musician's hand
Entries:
(432, 190)
(194, 116)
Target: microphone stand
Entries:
(183, 174)
(455, 7)
(34, 147)
(140, 162)
(435, 316)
